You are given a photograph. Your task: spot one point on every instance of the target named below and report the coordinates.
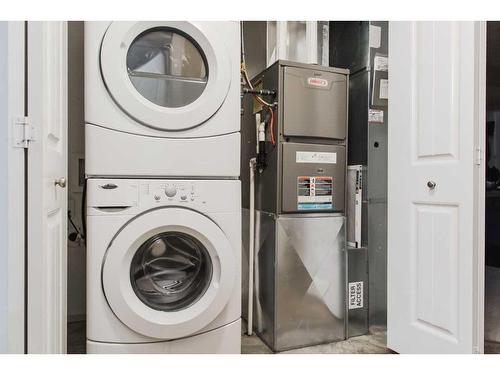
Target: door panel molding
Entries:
(436, 244)
(437, 105)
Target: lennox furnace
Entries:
(300, 273)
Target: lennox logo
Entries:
(318, 82)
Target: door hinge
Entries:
(479, 156)
(22, 132)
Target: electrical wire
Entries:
(73, 224)
(271, 125)
(269, 106)
(83, 212)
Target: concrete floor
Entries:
(492, 305)
(77, 338)
(367, 344)
(491, 347)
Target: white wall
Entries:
(76, 149)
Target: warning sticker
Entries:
(316, 157)
(376, 116)
(356, 295)
(314, 193)
(381, 63)
(384, 89)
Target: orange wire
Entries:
(264, 103)
(271, 125)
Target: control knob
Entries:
(170, 191)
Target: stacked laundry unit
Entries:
(163, 192)
(300, 280)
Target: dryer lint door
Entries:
(167, 75)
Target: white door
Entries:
(435, 214)
(46, 179)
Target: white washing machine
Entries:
(162, 98)
(163, 266)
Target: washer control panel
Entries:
(173, 192)
(131, 196)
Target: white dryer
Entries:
(163, 266)
(162, 98)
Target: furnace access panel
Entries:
(306, 168)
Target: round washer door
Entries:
(168, 273)
(169, 75)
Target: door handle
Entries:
(61, 182)
(431, 184)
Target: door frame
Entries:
(480, 178)
(12, 189)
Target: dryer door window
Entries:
(171, 271)
(167, 75)
(167, 67)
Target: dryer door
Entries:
(168, 273)
(168, 75)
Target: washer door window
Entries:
(170, 76)
(168, 273)
(171, 271)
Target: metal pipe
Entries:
(263, 92)
(251, 246)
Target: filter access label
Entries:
(356, 295)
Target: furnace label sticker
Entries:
(314, 193)
(316, 157)
(381, 63)
(384, 89)
(356, 295)
(375, 116)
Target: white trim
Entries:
(11, 190)
(479, 175)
